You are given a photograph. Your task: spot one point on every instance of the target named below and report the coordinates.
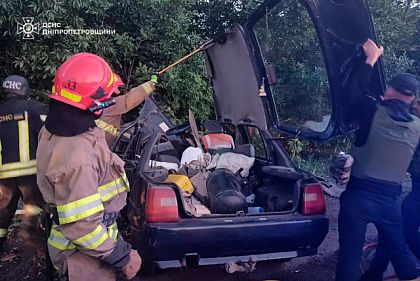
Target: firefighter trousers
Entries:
(11, 190)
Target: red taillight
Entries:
(313, 200)
(161, 205)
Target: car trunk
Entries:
(265, 189)
(270, 187)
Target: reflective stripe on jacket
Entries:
(58, 241)
(20, 122)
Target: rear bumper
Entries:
(224, 260)
(221, 240)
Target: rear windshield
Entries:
(288, 41)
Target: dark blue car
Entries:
(165, 233)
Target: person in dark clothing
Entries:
(410, 217)
(385, 143)
(411, 208)
(20, 122)
(411, 204)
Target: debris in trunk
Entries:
(194, 206)
(250, 199)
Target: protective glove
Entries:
(133, 266)
(154, 79)
(150, 86)
(341, 168)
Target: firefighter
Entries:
(82, 181)
(20, 122)
(110, 120)
(385, 143)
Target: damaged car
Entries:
(227, 191)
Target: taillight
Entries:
(313, 200)
(161, 205)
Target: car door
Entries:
(314, 109)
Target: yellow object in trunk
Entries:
(183, 182)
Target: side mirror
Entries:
(270, 70)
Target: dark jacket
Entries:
(388, 133)
(20, 123)
(415, 163)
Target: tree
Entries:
(212, 18)
(151, 34)
(397, 23)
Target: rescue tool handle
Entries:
(178, 61)
(101, 105)
(201, 48)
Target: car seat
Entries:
(215, 140)
(165, 152)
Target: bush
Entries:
(151, 34)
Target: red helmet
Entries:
(84, 80)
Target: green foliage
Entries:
(151, 34)
(295, 147)
(316, 158)
(213, 17)
(397, 23)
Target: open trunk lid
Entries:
(233, 78)
(236, 66)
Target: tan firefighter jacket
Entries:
(110, 120)
(86, 186)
